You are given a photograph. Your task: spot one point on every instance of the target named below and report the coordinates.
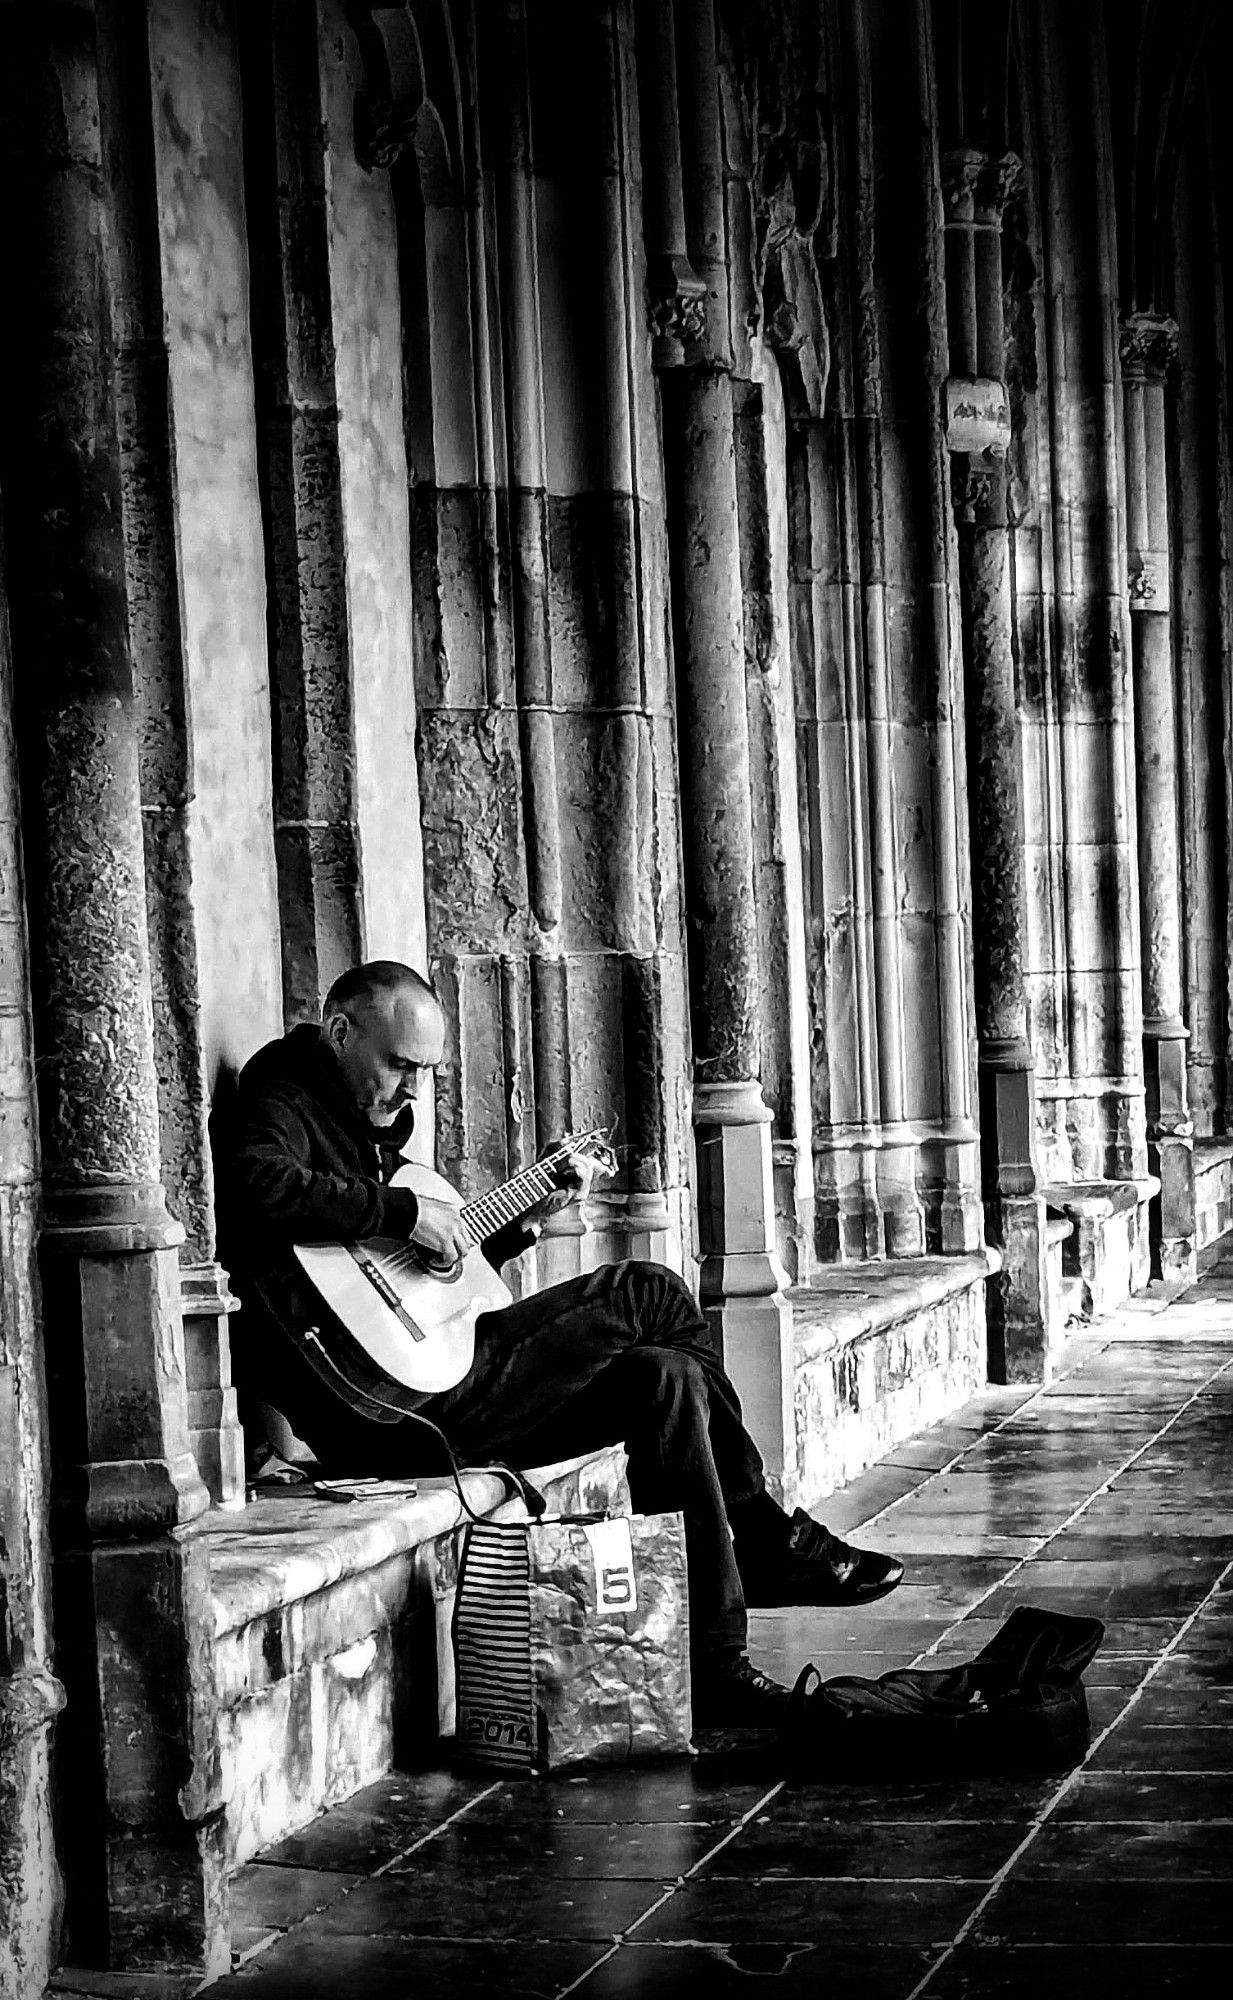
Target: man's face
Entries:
(384, 1050)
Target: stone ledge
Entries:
(328, 1660)
(848, 1302)
(1109, 1255)
(879, 1351)
(1095, 1199)
(1213, 1191)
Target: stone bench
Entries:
(329, 1629)
(1213, 1190)
(880, 1351)
(1108, 1254)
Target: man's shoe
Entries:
(815, 1567)
(734, 1695)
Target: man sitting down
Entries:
(618, 1355)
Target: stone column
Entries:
(30, 1695)
(164, 752)
(316, 831)
(976, 189)
(1148, 346)
(741, 1277)
(141, 1835)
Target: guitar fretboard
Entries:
(512, 1200)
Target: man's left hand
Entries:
(573, 1179)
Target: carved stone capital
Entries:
(962, 168)
(976, 185)
(1145, 584)
(997, 183)
(382, 130)
(676, 310)
(977, 416)
(1147, 345)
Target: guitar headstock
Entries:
(595, 1148)
(590, 1148)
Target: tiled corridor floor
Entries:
(1110, 1492)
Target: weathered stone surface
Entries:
(195, 92)
(878, 1359)
(330, 1636)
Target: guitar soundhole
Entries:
(443, 1275)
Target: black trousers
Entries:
(620, 1355)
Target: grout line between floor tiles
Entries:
(1067, 1785)
(354, 1882)
(1076, 1514)
(738, 1826)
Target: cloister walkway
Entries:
(1109, 1492)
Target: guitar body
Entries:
(421, 1336)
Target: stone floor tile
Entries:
(786, 1912)
(802, 1971)
(776, 1846)
(654, 1794)
(1078, 1972)
(1172, 1850)
(1136, 1587)
(1140, 1795)
(1182, 1694)
(378, 1822)
(568, 1847)
(1165, 1747)
(926, 1540)
(1105, 1705)
(1105, 1911)
(1017, 1799)
(266, 1899)
(312, 1967)
(444, 1902)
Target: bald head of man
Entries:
(384, 1024)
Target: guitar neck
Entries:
(511, 1201)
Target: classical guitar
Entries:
(406, 1325)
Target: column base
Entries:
(753, 1336)
(1024, 1307)
(903, 1212)
(1170, 1151)
(741, 1279)
(139, 1742)
(1174, 1212)
(847, 1215)
(954, 1209)
(214, 1431)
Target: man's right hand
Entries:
(441, 1233)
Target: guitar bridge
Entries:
(384, 1290)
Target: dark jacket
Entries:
(297, 1163)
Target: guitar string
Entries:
(498, 1199)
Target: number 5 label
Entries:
(613, 1551)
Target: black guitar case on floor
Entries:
(1020, 1705)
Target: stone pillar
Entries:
(741, 1277)
(978, 430)
(316, 831)
(140, 1829)
(164, 752)
(1148, 346)
(897, 1158)
(30, 1696)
